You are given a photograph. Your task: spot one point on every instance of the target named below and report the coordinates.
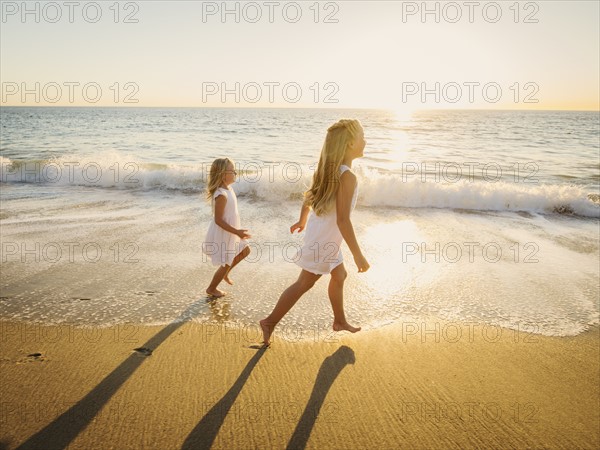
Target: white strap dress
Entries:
(321, 250)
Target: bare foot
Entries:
(345, 326)
(267, 329)
(215, 293)
(227, 279)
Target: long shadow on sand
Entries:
(331, 367)
(204, 433)
(59, 433)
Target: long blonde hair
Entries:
(326, 179)
(215, 177)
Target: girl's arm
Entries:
(220, 203)
(343, 206)
(301, 224)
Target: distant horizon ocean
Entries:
(464, 215)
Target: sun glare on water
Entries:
(393, 253)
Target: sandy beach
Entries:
(405, 385)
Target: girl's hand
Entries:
(297, 226)
(362, 263)
(243, 234)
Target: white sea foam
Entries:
(276, 183)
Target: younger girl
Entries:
(331, 197)
(225, 242)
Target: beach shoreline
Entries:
(404, 385)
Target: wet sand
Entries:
(405, 385)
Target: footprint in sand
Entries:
(143, 351)
(150, 293)
(32, 357)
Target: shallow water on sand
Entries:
(469, 216)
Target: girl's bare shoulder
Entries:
(348, 177)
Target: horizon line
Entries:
(298, 107)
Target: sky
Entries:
(395, 55)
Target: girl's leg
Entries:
(222, 272)
(217, 278)
(241, 255)
(290, 296)
(336, 297)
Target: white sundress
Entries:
(321, 250)
(223, 246)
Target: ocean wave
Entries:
(273, 182)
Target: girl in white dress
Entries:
(225, 242)
(331, 197)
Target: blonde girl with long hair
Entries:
(331, 198)
(225, 240)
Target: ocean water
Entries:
(479, 216)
